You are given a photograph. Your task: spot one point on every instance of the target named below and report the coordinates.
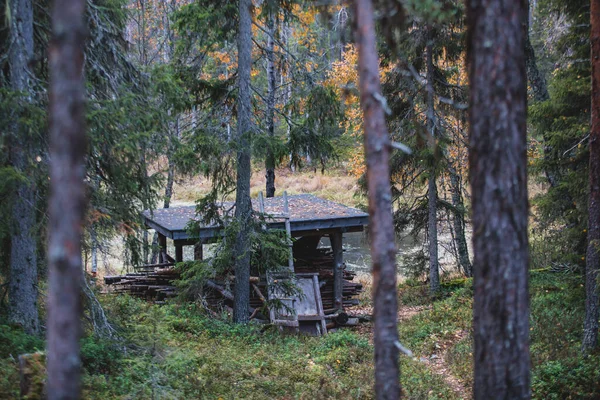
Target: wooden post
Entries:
(198, 252)
(178, 252)
(162, 244)
(338, 273)
(288, 230)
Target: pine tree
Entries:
(498, 175)
(68, 193)
(243, 205)
(383, 248)
(23, 247)
(592, 265)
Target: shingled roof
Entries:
(307, 213)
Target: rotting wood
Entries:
(259, 293)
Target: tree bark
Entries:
(539, 86)
(67, 174)
(173, 136)
(590, 328)
(23, 255)
(383, 248)
(270, 161)
(498, 175)
(458, 222)
(534, 76)
(94, 240)
(243, 205)
(434, 264)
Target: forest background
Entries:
(161, 112)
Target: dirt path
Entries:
(436, 362)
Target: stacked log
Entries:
(156, 283)
(152, 283)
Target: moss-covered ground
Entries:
(177, 352)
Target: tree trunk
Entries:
(94, 240)
(270, 162)
(169, 185)
(23, 256)
(539, 87)
(67, 174)
(498, 175)
(434, 264)
(534, 76)
(383, 248)
(590, 328)
(243, 205)
(458, 222)
(286, 33)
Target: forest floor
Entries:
(176, 351)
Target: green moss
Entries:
(175, 352)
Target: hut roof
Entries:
(307, 213)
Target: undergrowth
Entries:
(559, 371)
(175, 351)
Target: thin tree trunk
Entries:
(23, 256)
(458, 222)
(94, 240)
(434, 264)
(590, 328)
(286, 33)
(539, 87)
(144, 166)
(67, 173)
(243, 205)
(383, 248)
(270, 161)
(498, 175)
(534, 76)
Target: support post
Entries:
(288, 229)
(338, 265)
(178, 252)
(198, 252)
(162, 244)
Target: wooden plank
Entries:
(288, 230)
(297, 229)
(338, 265)
(162, 244)
(161, 230)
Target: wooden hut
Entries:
(307, 218)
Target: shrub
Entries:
(575, 378)
(99, 356)
(13, 341)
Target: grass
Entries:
(175, 351)
(336, 185)
(559, 371)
